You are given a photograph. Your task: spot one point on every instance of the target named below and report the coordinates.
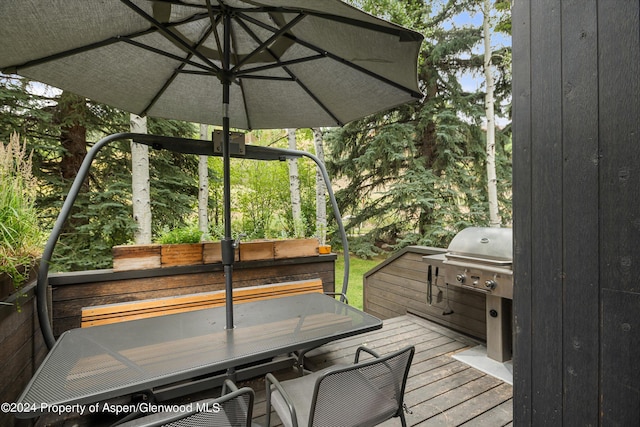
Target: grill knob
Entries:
(460, 277)
(491, 284)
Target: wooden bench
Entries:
(132, 310)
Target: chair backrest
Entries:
(234, 409)
(363, 394)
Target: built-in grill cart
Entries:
(480, 259)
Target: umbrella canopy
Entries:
(244, 64)
(292, 63)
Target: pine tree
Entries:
(416, 174)
(102, 215)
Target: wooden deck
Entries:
(441, 391)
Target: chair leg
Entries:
(268, 402)
(402, 419)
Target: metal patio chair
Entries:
(233, 409)
(365, 393)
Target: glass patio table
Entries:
(89, 365)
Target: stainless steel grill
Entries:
(480, 259)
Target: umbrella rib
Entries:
(180, 3)
(339, 58)
(215, 20)
(357, 67)
(245, 73)
(12, 69)
(164, 30)
(294, 77)
(263, 45)
(272, 78)
(240, 84)
(403, 33)
(312, 96)
(184, 61)
(251, 77)
(176, 72)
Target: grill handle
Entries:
(429, 286)
(484, 267)
(469, 258)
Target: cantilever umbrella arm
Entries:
(180, 145)
(43, 272)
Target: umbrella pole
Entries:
(227, 247)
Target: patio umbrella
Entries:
(241, 64)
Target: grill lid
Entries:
(483, 243)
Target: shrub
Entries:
(181, 235)
(20, 234)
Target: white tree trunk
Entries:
(321, 190)
(494, 215)
(203, 186)
(294, 188)
(140, 187)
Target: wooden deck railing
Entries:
(72, 291)
(399, 286)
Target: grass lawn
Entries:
(357, 268)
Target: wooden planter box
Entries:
(257, 250)
(295, 248)
(181, 254)
(136, 257)
(140, 257)
(277, 249)
(7, 287)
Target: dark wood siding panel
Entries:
(589, 290)
(619, 106)
(619, 89)
(522, 235)
(546, 212)
(580, 211)
(620, 375)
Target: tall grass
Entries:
(20, 234)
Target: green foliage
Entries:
(189, 234)
(504, 18)
(410, 175)
(20, 233)
(102, 214)
(364, 247)
(261, 201)
(416, 174)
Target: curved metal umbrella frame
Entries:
(179, 145)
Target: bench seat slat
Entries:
(132, 310)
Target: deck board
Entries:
(441, 391)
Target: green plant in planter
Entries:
(21, 237)
(181, 235)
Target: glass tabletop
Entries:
(88, 365)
